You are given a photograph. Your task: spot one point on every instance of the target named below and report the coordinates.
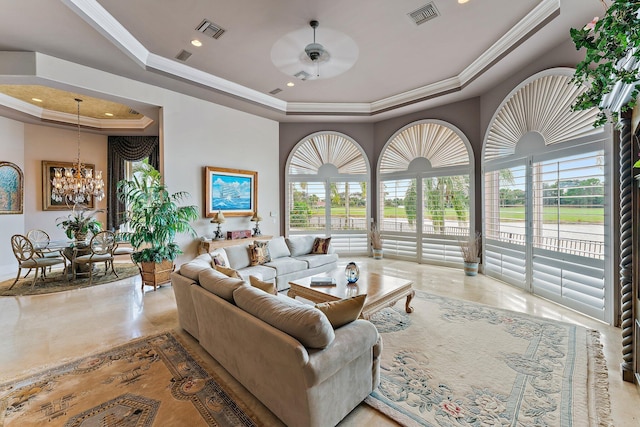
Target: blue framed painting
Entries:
(11, 189)
(230, 191)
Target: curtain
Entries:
(121, 149)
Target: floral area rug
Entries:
(55, 281)
(149, 382)
(457, 363)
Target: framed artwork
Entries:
(233, 192)
(48, 169)
(11, 189)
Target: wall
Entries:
(12, 150)
(195, 134)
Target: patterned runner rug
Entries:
(150, 380)
(457, 363)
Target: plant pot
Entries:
(154, 274)
(471, 268)
(377, 253)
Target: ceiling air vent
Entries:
(210, 29)
(275, 91)
(424, 14)
(133, 112)
(183, 55)
(302, 75)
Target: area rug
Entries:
(149, 382)
(457, 363)
(55, 281)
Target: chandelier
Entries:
(76, 184)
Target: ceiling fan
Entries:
(295, 56)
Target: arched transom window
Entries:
(425, 192)
(327, 182)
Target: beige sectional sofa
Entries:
(291, 259)
(284, 352)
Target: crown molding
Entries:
(94, 14)
(72, 119)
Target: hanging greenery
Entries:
(608, 41)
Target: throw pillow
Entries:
(229, 271)
(343, 311)
(320, 245)
(218, 259)
(268, 287)
(259, 253)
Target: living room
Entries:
(196, 132)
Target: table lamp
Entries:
(218, 218)
(256, 218)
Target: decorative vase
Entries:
(471, 268)
(352, 272)
(377, 253)
(80, 236)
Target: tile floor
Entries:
(45, 330)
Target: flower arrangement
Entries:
(610, 42)
(471, 248)
(80, 222)
(376, 238)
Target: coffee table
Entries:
(382, 291)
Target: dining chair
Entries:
(101, 246)
(40, 240)
(119, 248)
(27, 257)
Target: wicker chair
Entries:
(28, 257)
(101, 246)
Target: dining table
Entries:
(68, 248)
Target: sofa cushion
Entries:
(318, 260)
(229, 272)
(192, 268)
(259, 253)
(303, 322)
(287, 265)
(342, 311)
(278, 248)
(238, 256)
(268, 287)
(321, 245)
(300, 245)
(262, 272)
(219, 284)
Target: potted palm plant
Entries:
(471, 254)
(79, 223)
(154, 218)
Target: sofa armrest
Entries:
(350, 342)
(186, 312)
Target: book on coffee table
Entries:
(323, 281)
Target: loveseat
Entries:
(285, 352)
(289, 259)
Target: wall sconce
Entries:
(256, 218)
(218, 218)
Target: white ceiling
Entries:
(401, 67)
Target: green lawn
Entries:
(566, 213)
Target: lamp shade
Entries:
(256, 217)
(218, 218)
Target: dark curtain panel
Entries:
(121, 149)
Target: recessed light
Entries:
(462, 1)
(291, 84)
(196, 42)
(36, 99)
(108, 114)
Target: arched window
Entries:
(425, 176)
(545, 204)
(327, 181)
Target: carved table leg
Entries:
(407, 306)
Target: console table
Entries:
(207, 245)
